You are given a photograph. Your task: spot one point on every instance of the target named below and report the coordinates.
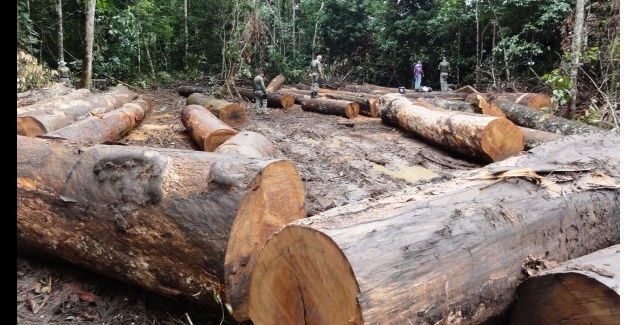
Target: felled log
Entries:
(466, 89)
(186, 90)
(533, 100)
(204, 128)
(448, 104)
(485, 138)
(535, 119)
(33, 96)
(338, 107)
(247, 144)
(46, 120)
(440, 95)
(452, 255)
(181, 223)
(232, 114)
(275, 100)
(54, 101)
(584, 290)
(297, 94)
(276, 83)
(110, 126)
(372, 89)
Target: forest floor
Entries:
(340, 161)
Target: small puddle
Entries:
(411, 174)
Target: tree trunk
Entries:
(448, 104)
(452, 255)
(181, 223)
(576, 49)
(204, 128)
(584, 290)
(534, 119)
(275, 100)
(276, 83)
(331, 107)
(366, 103)
(439, 95)
(46, 120)
(186, 90)
(89, 38)
(298, 95)
(485, 138)
(534, 138)
(533, 100)
(247, 144)
(110, 126)
(232, 114)
(56, 100)
(33, 96)
(60, 30)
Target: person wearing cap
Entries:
(64, 73)
(260, 94)
(444, 73)
(316, 71)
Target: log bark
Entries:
(50, 119)
(535, 119)
(275, 100)
(111, 126)
(338, 107)
(298, 95)
(181, 223)
(533, 100)
(208, 131)
(483, 138)
(438, 95)
(34, 96)
(247, 144)
(232, 114)
(54, 101)
(187, 90)
(534, 138)
(466, 89)
(276, 83)
(448, 104)
(584, 290)
(452, 256)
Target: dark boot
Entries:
(313, 94)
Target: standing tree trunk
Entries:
(60, 34)
(186, 34)
(576, 48)
(89, 38)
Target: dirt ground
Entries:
(340, 161)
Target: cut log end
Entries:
(216, 138)
(352, 110)
(287, 101)
(304, 279)
(502, 139)
(30, 126)
(233, 114)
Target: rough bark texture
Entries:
(448, 104)
(46, 120)
(34, 96)
(434, 94)
(187, 90)
(181, 223)
(54, 101)
(275, 100)
(534, 138)
(535, 119)
(111, 126)
(450, 255)
(366, 105)
(276, 83)
(338, 107)
(232, 114)
(247, 144)
(485, 138)
(584, 290)
(208, 131)
(533, 100)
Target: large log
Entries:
(438, 95)
(535, 119)
(46, 120)
(232, 114)
(327, 106)
(275, 100)
(276, 83)
(181, 223)
(54, 101)
(584, 290)
(33, 96)
(533, 100)
(298, 96)
(449, 104)
(111, 126)
(208, 131)
(247, 144)
(484, 138)
(452, 255)
(187, 90)
(366, 103)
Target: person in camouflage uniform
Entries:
(316, 71)
(444, 73)
(260, 94)
(64, 73)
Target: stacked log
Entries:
(181, 223)
(533, 100)
(46, 120)
(208, 131)
(54, 101)
(275, 99)
(451, 255)
(34, 96)
(229, 113)
(187, 90)
(337, 107)
(484, 138)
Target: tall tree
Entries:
(60, 34)
(87, 64)
(576, 48)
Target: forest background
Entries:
(561, 47)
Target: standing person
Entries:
(444, 73)
(260, 94)
(417, 75)
(316, 69)
(64, 74)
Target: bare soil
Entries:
(340, 161)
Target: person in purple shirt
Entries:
(417, 75)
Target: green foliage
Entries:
(31, 74)
(560, 84)
(591, 115)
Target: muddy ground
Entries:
(340, 161)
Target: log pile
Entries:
(229, 113)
